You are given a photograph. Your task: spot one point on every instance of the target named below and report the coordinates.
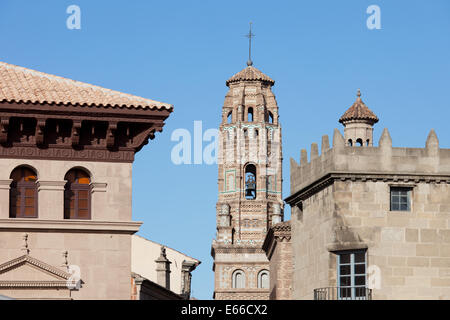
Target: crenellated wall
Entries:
(383, 159)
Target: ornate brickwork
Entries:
(250, 180)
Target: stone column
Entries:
(163, 269)
(4, 198)
(51, 199)
(224, 229)
(99, 202)
(136, 286)
(276, 215)
(186, 268)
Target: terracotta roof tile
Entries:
(18, 84)
(359, 111)
(250, 74)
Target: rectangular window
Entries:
(352, 275)
(400, 199)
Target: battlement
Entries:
(383, 159)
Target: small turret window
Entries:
(270, 117)
(229, 117)
(250, 115)
(350, 142)
(359, 143)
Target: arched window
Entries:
(359, 142)
(250, 114)
(77, 195)
(229, 116)
(238, 279)
(270, 117)
(263, 279)
(350, 142)
(367, 142)
(23, 193)
(250, 182)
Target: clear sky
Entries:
(182, 52)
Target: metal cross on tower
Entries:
(250, 35)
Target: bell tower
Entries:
(249, 180)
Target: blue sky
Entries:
(182, 52)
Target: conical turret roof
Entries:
(359, 111)
(250, 74)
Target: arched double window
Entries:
(77, 195)
(23, 193)
(238, 279)
(263, 279)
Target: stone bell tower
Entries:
(249, 179)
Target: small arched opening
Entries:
(238, 279)
(359, 142)
(250, 182)
(270, 117)
(263, 279)
(250, 114)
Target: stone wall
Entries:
(311, 232)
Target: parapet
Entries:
(383, 159)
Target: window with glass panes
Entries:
(23, 193)
(351, 274)
(400, 199)
(77, 195)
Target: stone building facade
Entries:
(249, 182)
(370, 222)
(66, 153)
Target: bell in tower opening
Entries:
(250, 182)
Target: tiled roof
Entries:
(18, 84)
(250, 74)
(359, 111)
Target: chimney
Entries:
(163, 269)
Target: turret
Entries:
(358, 123)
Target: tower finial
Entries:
(358, 94)
(250, 35)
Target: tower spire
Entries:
(250, 35)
